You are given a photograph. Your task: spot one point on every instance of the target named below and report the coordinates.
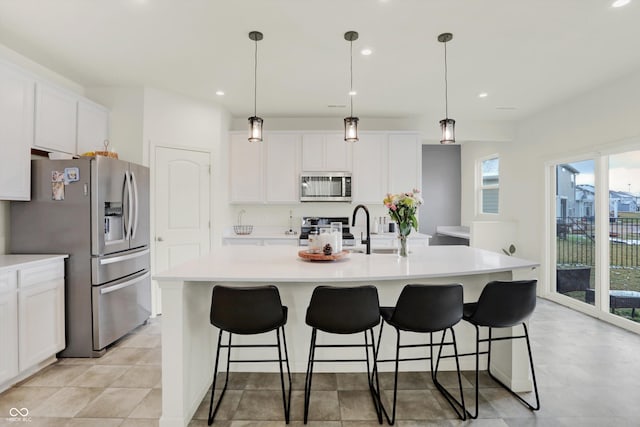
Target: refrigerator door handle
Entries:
(124, 284)
(127, 229)
(121, 258)
(136, 205)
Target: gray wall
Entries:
(441, 183)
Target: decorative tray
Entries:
(322, 257)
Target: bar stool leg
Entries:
(533, 374)
(286, 402)
(309, 376)
(474, 416)
(462, 414)
(212, 414)
(375, 393)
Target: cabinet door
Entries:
(325, 152)
(245, 170)
(55, 119)
(93, 126)
(16, 133)
(242, 242)
(8, 335)
(370, 168)
(405, 162)
(337, 153)
(282, 172)
(40, 321)
(313, 150)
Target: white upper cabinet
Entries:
(282, 168)
(264, 172)
(56, 116)
(16, 133)
(326, 152)
(93, 126)
(370, 168)
(405, 162)
(269, 172)
(245, 170)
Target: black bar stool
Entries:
(338, 310)
(248, 311)
(426, 309)
(503, 304)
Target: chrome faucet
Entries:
(353, 223)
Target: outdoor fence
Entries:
(576, 241)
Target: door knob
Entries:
(159, 239)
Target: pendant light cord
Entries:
(446, 90)
(255, 78)
(351, 73)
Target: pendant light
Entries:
(255, 122)
(351, 123)
(447, 125)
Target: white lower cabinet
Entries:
(8, 326)
(31, 313)
(259, 241)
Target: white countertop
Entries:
(454, 231)
(19, 260)
(282, 264)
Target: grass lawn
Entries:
(624, 274)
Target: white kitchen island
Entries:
(188, 339)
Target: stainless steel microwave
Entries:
(325, 187)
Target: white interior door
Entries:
(182, 209)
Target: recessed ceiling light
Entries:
(220, 92)
(366, 52)
(620, 3)
(483, 95)
(337, 106)
(353, 93)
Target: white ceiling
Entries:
(527, 55)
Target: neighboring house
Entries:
(565, 191)
(578, 200)
(620, 201)
(585, 199)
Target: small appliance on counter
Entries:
(313, 223)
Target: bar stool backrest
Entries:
(503, 304)
(341, 310)
(428, 308)
(247, 310)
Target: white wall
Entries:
(126, 112)
(174, 120)
(601, 118)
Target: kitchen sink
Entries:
(377, 251)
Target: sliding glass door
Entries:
(575, 220)
(596, 217)
(624, 235)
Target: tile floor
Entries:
(588, 374)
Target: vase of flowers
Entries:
(402, 209)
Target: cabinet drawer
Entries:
(8, 280)
(43, 273)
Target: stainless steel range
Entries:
(311, 222)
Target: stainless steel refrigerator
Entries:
(97, 211)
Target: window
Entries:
(489, 188)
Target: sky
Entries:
(624, 172)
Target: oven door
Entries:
(119, 307)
